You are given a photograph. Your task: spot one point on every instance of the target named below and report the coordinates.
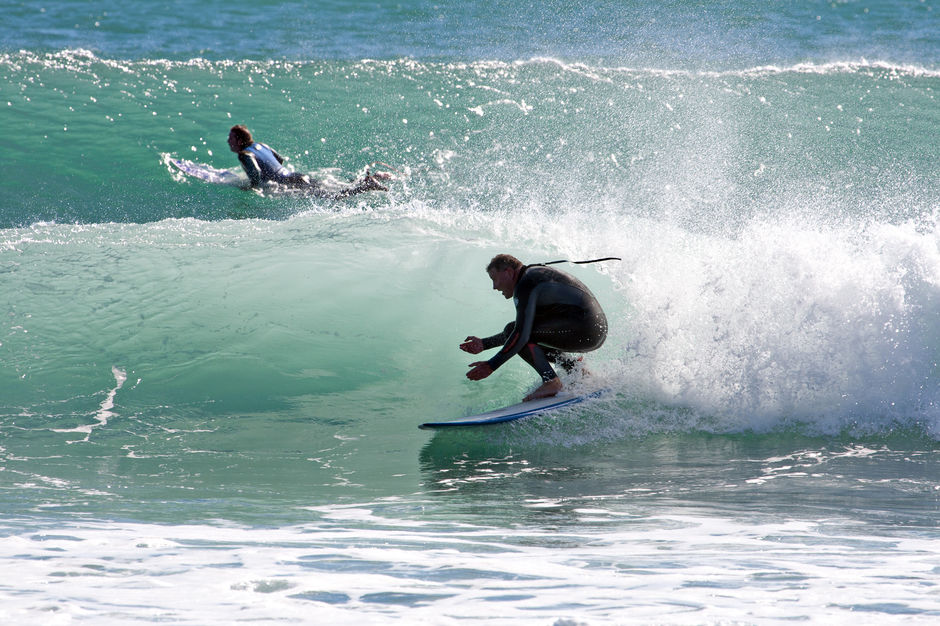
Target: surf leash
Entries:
(606, 258)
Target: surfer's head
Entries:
(239, 138)
(503, 262)
(504, 270)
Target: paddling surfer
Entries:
(555, 313)
(264, 165)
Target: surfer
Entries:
(555, 313)
(264, 165)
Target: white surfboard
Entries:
(207, 172)
(328, 188)
(514, 412)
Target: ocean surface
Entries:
(209, 397)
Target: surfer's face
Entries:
(503, 281)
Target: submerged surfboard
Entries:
(514, 412)
(206, 172)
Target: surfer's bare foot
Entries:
(369, 183)
(547, 390)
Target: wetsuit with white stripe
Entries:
(263, 164)
(555, 313)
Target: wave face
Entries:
(778, 229)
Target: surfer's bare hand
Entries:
(479, 371)
(473, 345)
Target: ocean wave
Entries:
(81, 58)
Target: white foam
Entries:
(104, 412)
(682, 568)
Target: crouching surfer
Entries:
(555, 314)
(264, 165)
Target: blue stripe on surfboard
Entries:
(500, 417)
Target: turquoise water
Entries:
(211, 396)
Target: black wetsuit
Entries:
(555, 313)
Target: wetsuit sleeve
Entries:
(496, 340)
(251, 167)
(525, 316)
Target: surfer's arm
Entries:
(251, 167)
(525, 316)
(475, 345)
(496, 340)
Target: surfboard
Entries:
(207, 173)
(514, 412)
(326, 189)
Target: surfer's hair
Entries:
(242, 134)
(502, 262)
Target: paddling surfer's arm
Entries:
(251, 167)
